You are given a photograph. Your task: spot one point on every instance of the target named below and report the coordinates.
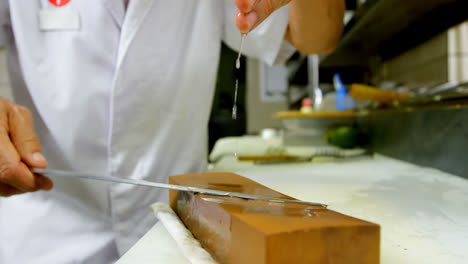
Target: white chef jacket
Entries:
(128, 94)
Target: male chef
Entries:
(120, 88)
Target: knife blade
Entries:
(105, 178)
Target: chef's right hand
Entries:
(19, 150)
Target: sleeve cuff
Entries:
(285, 52)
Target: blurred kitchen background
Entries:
(416, 49)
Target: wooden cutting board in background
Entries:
(317, 114)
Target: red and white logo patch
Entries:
(59, 2)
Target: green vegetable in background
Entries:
(344, 137)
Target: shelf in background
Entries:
(386, 28)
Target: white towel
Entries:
(190, 247)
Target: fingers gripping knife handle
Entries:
(104, 178)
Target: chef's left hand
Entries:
(252, 12)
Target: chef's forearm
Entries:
(315, 26)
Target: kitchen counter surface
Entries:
(422, 211)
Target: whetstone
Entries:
(235, 230)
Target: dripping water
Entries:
(240, 51)
(234, 107)
(236, 88)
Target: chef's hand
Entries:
(19, 149)
(252, 12)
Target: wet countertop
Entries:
(422, 211)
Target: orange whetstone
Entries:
(235, 230)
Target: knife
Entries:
(104, 178)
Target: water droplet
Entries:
(234, 107)
(234, 112)
(310, 212)
(240, 51)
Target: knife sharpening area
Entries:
(234, 132)
(380, 210)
